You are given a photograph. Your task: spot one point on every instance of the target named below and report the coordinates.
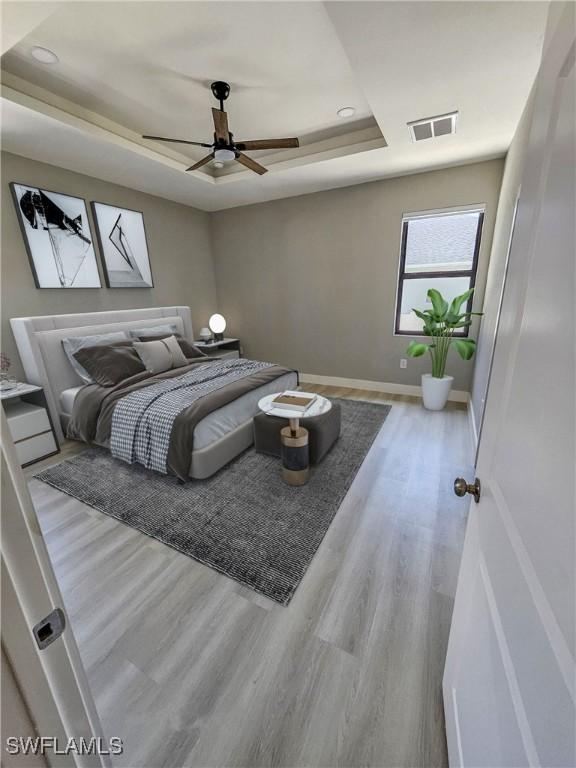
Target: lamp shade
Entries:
(217, 324)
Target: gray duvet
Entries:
(94, 406)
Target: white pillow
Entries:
(156, 330)
(73, 343)
(161, 355)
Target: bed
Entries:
(218, 437)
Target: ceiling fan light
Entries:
(218, 164)
(224, 155)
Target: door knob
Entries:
(461, 488)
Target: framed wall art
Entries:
(57, 237)
(123, 245)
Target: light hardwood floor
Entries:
(191, 669)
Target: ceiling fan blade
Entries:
(177, 141)
(221, 125)
(267, 144)
(202, 162)
(252, 164)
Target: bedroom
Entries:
(243, 584)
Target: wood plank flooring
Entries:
(192, 669)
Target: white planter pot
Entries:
(435, 391)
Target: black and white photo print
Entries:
(57, 236)
(123, 245)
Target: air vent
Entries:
(431, 127)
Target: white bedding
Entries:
(221, 421)
(67, 399)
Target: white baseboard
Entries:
(456, 395)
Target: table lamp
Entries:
(217, 325)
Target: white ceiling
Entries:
(150, 69)
(145, 67)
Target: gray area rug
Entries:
(244, 521)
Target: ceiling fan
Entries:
(225, 148)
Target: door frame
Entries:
(497, 324)
(53, 681)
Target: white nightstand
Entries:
(227, 348)
(29, 423)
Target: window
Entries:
(438, 250)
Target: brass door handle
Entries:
(461, 488)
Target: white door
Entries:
(52, 681)
(509, 681)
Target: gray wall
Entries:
(310, 281)
(496, 272)
(178, 242)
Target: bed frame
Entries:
(39, 341)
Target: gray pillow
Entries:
(190, 350)
(109, 365)
(160, 355)
(74, 343)
(155, 330)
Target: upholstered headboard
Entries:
(39, 341)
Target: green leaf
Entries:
(459, 300)
(439, 305)
(452, 318)
(416, 349)
(465, 348)
(422, 315)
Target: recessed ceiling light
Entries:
(44, 55)
(346, 112)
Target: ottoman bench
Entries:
(323, 431)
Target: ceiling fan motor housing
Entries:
(221, 91)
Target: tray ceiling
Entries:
(145, 67)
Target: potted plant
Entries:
(440, 322)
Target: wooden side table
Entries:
(295, 454)
(29, 423)
(294, 438)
